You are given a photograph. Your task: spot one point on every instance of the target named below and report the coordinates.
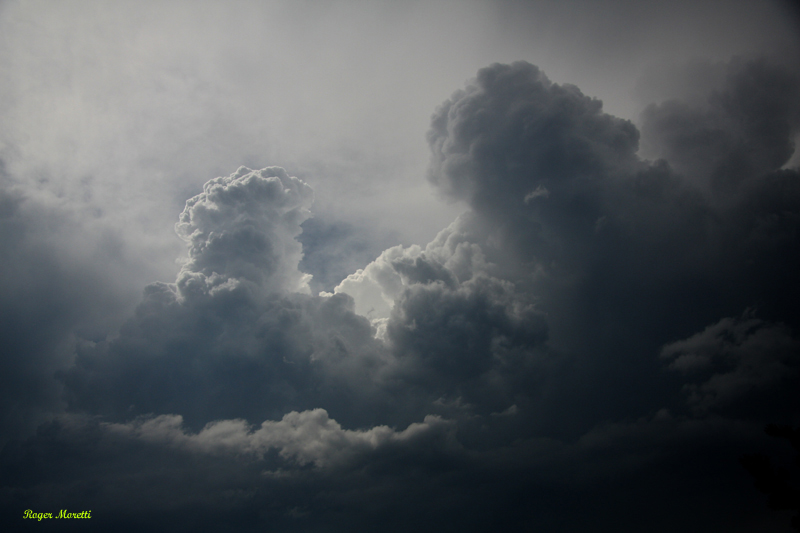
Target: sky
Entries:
(382, 266)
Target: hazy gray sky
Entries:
(130, 107)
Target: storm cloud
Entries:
(600, 331)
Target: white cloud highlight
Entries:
(243, 227)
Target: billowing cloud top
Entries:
(513, 132)
(242, 228)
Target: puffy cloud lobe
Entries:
(451, 258)
(243, 227)
(456, 330)
(376, 287)
(734, 362)
(539, 164)
(513, 132)
(453, 335)
(308, 437)
(745, 129)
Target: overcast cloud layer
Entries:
(560, 298)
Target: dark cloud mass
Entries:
(592, 345)
(52, 293)
(744, 130)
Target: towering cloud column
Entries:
(241, 230)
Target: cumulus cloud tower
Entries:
(242, 229)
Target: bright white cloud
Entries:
(243, 227)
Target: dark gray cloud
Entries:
(591, 345)
(513, 131)
(743, 130)
(742, 366)
(57, 285)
